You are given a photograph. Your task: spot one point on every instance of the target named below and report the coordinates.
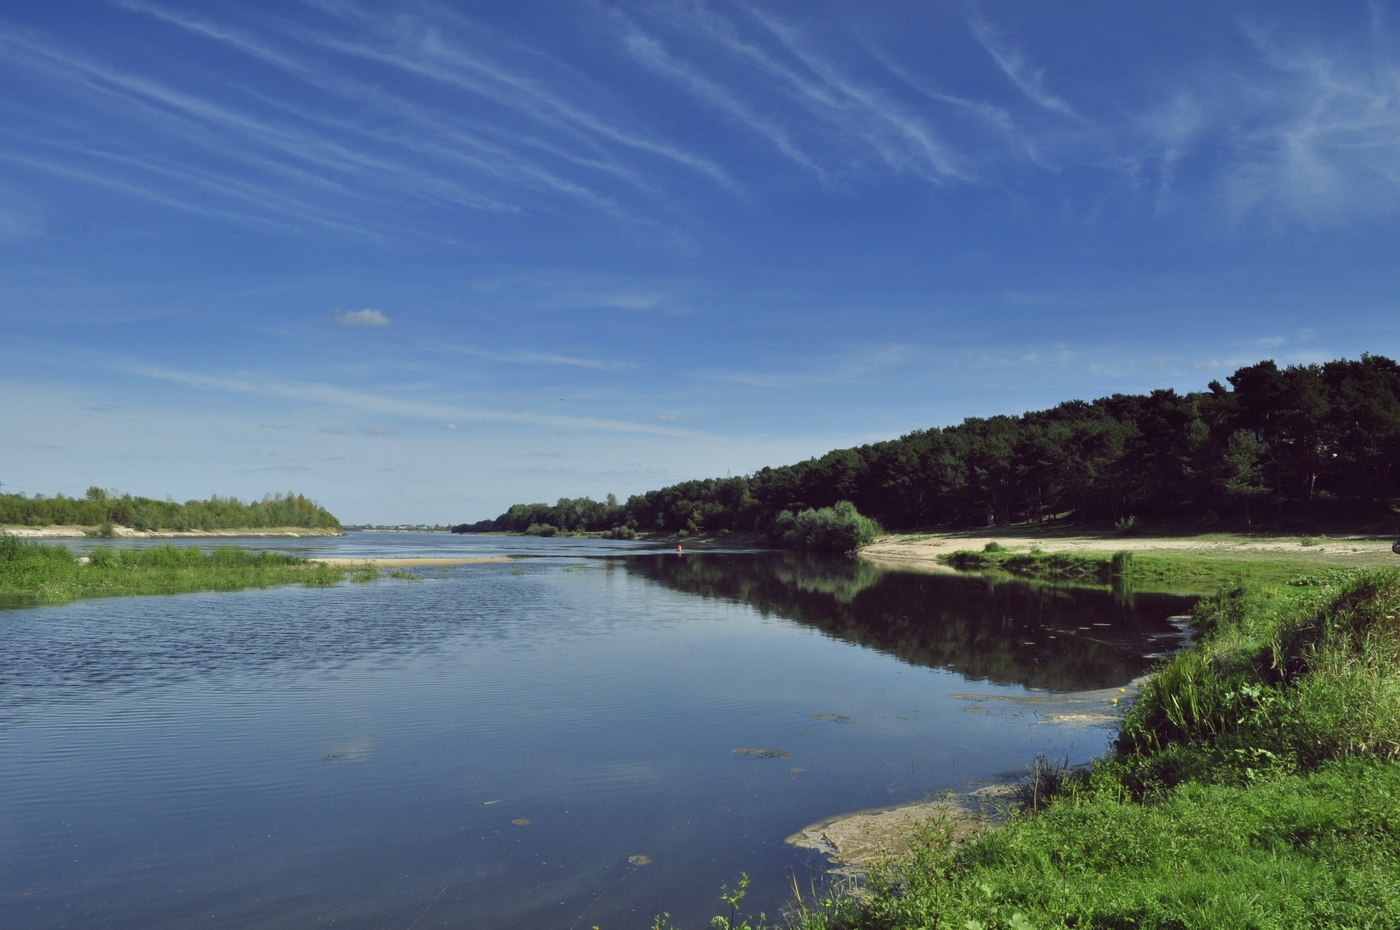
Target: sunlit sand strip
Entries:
(410, 562)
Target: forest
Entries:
(1304, 444)
(98, 507)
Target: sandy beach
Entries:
(923, 550)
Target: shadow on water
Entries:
(1003, 631)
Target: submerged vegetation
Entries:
(106, 509)
(1255, 783)
(34, 573)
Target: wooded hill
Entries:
(1303, 443)
(141, 513)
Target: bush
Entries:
(541, 529)
(832, 529)
(620, 532)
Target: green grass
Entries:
(1200, 572)
(34, 573)
(1309, 850)
(1255, 784)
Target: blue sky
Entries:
(419, 261)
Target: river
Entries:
(590, 734)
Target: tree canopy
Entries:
(1304, 440)
(100, 506)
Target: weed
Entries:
(1039, 787)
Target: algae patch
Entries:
(762, 753)
(853, 842)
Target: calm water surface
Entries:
(496, 745)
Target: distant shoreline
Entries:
(124, 532)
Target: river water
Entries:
(548, 742)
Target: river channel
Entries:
(589, 734)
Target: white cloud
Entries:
(366, 317)
(1012, 62)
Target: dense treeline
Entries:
(1276, 443)
(100, 507)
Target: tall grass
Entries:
(34, 573)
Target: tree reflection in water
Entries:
(1002, 631)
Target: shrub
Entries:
(840, 528)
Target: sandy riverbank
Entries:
(923, 550)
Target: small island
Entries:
(33, 572)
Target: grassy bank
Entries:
(1200, 572)
(1255, 783)
(34, 573)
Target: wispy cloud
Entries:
(543, 358)
(428, 52)
(344, 161)
(1323, 138)
(367, 317)
(1014, 63)
(332, 395)
(847, 119)
(850, 365)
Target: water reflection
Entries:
(557, 742)
(1005, 632)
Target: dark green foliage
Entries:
(103, 510)
(1306, 443)
(832, 529)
